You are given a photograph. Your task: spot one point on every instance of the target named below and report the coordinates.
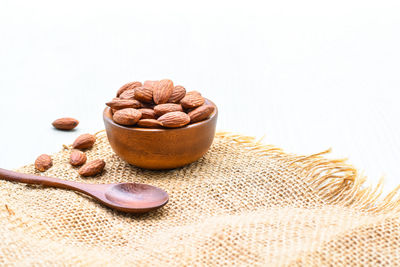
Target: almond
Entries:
(194, 93)
(162, 91)
(150, 84)
(174, 119)
(178, 93)
(43, 163)
(92, 168)
(147, 113)
(65, 123)
(84, 141)
(127, 116)
(144, 94)
(165, 108)
(201, 113)
(128, 86)
(128, 94)
(123, 103)
(192, 99)
(149, 123)
(77, 158)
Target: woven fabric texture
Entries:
(244, 203)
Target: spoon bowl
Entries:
(133, 197)
(126, 197)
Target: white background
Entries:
(308, 74)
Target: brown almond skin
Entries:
(84, 141)
(92, 168)
(77, 158)
(150, 84)
(43, 163)
(65, 124)
(144, 94)
(162, 91)
(192, 99)
(149, 123)
(124, 103)
(147, 113)
(127, 116)
(128, 86)
(162, 109)
(201, 113)
(193, 93)
(174, 119)
(128, 94)
(178, 93)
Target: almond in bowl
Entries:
(171, 130)
(153, 100)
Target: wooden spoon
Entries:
(127, 197)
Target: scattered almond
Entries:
(201, 113)
(147, 113)
(192, 99)
(65, 123)
(84, 141)
(128, 86)
(178, 93)
(144, 94)
(174, 119)
(162, 91)
(165, 108)
(127, 116)
(92, 168)
(43, 163)
(149, 123)
(77, 158)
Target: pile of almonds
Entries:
(77, 158)
(157, 104)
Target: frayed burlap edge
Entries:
(334, 180)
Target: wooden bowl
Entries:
(158, 149)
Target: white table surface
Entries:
(308, 74)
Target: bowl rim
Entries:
(107, 117)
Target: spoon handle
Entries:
(42, 180)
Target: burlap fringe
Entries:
(334, 180)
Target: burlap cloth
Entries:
(243, 203)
